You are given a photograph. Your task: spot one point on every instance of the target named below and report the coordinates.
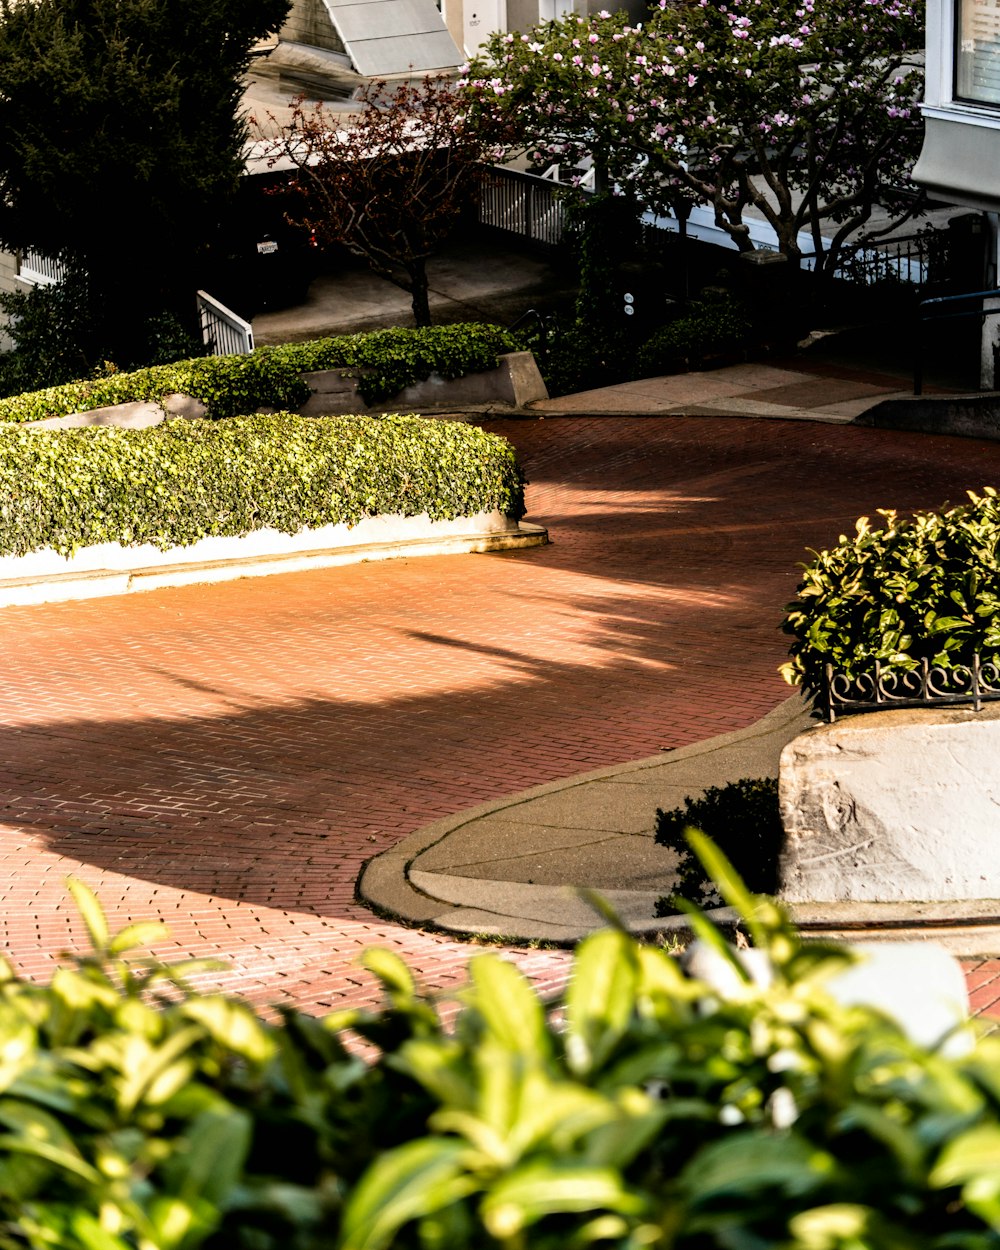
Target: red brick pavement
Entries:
(226, 757)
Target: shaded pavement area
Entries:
(227, 757)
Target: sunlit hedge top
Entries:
(384, 362)
(185, 480)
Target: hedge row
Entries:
(912, 588)
(184, 480)
(639, 1111)
(384, 362)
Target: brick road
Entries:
(226, 757)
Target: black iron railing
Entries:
(890, 686)
(923, 317)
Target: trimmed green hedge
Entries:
(640, 1110)
(383, 361)
(916, 587)
(743, 820)
(185, 480)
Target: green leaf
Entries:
(92, 1236)
(600, 998)
(209, 1160)
(976, 1152)
(408, 1183)
(232, 1024)
(742, 1165)
(134, 936)
(729, 883)
(70, 1160)
(536, 1190)
(91, 913)
(509, 1006)
(390, 969)
(156, 1072)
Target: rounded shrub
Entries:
(743, 820)
(711, 327)
(915, 588)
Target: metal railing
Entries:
(910, 260)
(523, 204)
(925, 686)
(923, 318)
(222, 330)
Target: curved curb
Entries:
(97, 583)
(969, 928)
(395, 884)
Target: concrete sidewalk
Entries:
(802, 391)
(513, 868)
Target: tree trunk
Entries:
(419, 293)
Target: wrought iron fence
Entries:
(222, 330)
(523, 204)
(910, 260)
(888, 686)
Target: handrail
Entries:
(222, 330)
(543, 321)
(922, 318)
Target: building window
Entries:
(977, 51)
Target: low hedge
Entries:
(709, 328)
(637, 1111)
(184, 480)
(383, 361)
(925, 586)
(743, 820)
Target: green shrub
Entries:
(383, 361)
(638, 1109)
(574, 355)
(184, 480)
(709, 328)
(58, 336)
(742, 819)
(917, 587)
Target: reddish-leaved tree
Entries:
(390, 182)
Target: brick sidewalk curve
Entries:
(226, 757)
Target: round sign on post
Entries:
(629, 304)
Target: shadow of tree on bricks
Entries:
(255, 742)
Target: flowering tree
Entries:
(803, 111)
(391, 186)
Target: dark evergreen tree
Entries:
(121, 141)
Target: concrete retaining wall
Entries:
(893, 806)
(970, 416)
(111, 569)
